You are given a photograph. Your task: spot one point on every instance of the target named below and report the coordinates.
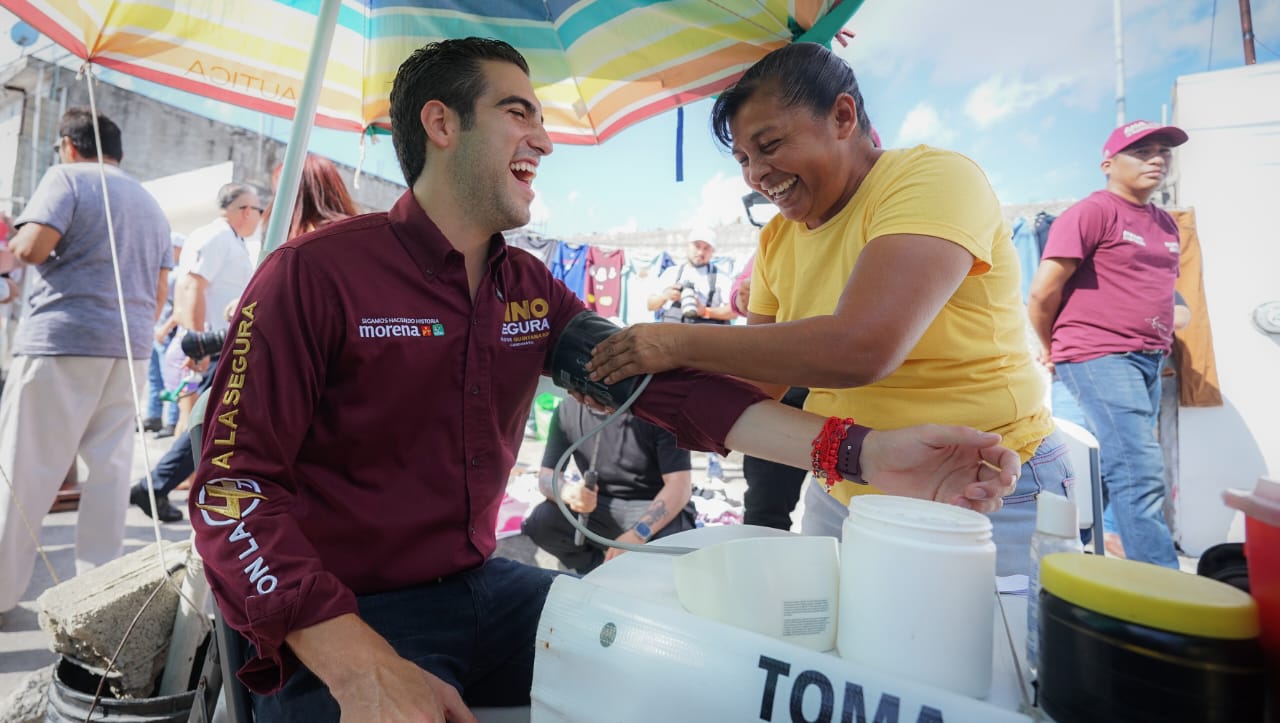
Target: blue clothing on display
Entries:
(1028, 250)
(1043, 221)
(569, 264)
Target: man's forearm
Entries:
(1042, 321)
(675, 494)
(339, 649)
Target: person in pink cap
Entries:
(1102, 304)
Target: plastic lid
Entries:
(1263, 503)
(1150, 595)
(1056, 515)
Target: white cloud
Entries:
(628, 226)
(923, 124)
(539, 213)
(1071, 43)
(720, 202)
(997, 97)
(574, 195)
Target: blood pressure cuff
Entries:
(573, 351)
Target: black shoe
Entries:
(165, 431)
(151, 424)
(165, 511)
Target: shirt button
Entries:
(475, 461)
(473, 530)
(475, 322)
(475, 389)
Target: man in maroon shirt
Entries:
(371, 401)
(1102, 304)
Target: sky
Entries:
(1027, 88)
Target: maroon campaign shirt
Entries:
(365, 416)
(1120, 298)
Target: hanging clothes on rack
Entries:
(569, 264)
(1028, 250)
(604, 281)
(541, 246)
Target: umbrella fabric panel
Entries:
(598, 66)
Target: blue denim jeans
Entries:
(156, 407)
(1011, 525)
(474, 630)
(1120, 397)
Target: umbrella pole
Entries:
(300, 135)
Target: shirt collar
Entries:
(424, 241)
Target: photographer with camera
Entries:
(213, 272)
(694, 292)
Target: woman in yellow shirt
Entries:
(887, 283)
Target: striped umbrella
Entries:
(598, 66)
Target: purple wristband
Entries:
(849, 463)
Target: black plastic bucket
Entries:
(71, 696)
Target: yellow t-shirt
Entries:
(972, 366)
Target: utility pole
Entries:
(1118, 12)
(1246, 31)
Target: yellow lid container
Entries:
(1151, 595)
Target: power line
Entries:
(1264, 47)
(1213, 20)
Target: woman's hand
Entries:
(955, 465)
(636, 350)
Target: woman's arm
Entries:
(898, 285)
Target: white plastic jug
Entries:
(783, 587)
(917, 591)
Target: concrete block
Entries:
(26, 704)
(87, 616)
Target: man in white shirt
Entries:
(214, 271)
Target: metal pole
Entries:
(1118, 12)
(1246, 31)
(303, 119)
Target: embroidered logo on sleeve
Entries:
(225, 502)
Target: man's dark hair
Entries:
(77, 125)
(801, 74)
(228, 194)
(448, 71)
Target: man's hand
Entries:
(370, 681)
(629, 537)
(1045, 360)
(398, 690)
(636, 350)
(578, 497)
(956, 465)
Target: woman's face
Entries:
(788, 154)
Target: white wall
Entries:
(190, 199)
(1229, 172)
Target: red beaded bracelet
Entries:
(825, 454)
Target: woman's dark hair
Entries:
(448, 71)
(77, 126)
(807, 75)
(322, 197)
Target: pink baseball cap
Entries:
(1134, 131)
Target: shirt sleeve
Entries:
(670, 457)
(52, 204)
(557, 440)
(945, 195)
(763, 300)
(263, 571)
(699, 408)
(209, 259)
(1076, 233)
